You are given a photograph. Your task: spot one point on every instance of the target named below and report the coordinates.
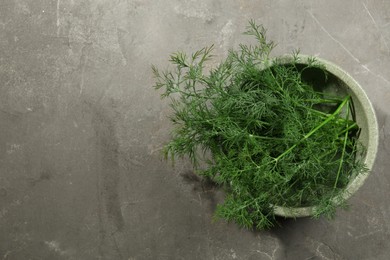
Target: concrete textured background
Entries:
(81, 176)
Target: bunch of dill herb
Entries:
(261, 121)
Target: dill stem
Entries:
(341, 160)
(323, 101)
(331, 117)
(341, 120)
(354, 125)
(342, 156)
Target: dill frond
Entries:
(274, 138)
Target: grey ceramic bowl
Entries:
(342, 83)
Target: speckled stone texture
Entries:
(81, 129)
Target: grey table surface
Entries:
(81, 129)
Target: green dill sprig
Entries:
(271, 140)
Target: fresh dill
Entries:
(274, 137)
